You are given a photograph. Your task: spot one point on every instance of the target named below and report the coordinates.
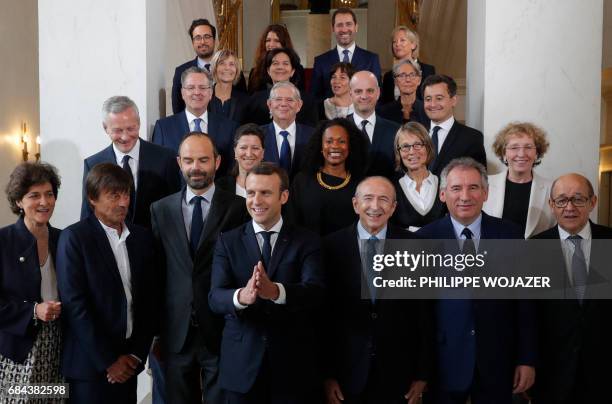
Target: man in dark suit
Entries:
(268, 282)
(285, 139)
(379, 131)
(344, 27)
(376, 349)
(450, 138)
(106, 275)
(196, 91)
(203, 36)
(485, 348)
(153, 168)
(185, 227)
(575, 333)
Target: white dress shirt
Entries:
(187, 206)
(474, 228)
(568, 248)
(119, 248)
(48, 280)
(445, 127)
(422, 200)
(291, 138)
(202, 63)
(351, 50)
(369, 127)
(191, 120)
(133, 161)
(282, 294)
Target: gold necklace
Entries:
(334, 187)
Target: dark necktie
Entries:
(434, 139)
(266, 249)
(285, 152)
(126, 166)
(364, 124)
(579, 268)
(197, 223)
(345, 58)
(468, 244)
(371, 245)
(196, 125)
(207, 66)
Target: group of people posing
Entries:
(231, 249)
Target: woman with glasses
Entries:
(416, 187)
(227, 100)
(407, 107)
(518, 193)
(404, 46)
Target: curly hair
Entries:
(26, 175)
(537, 134)
(357, 159)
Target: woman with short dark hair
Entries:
(29, 303)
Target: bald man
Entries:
(576, 333)
(379, 132)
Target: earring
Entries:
(21, 211)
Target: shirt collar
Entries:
(412, 183)
(358, 119)
(474, 227)
(351, 49)
(191, 117)
(208, 195)
(202, 62)
(364, 235)
(276, 228)
(446, 125)
(134, 153)
(110, 232)
(291, 128)
(585, 233)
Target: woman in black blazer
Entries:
(404, 46)
(227, 100)
(29, 302)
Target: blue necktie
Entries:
(207, 66)
(371, 245)
(579, 268)
(126, 166)
(196, 124)
(266, 249)
(468, 244)
(285, 152)
(197, 223)
(345, 58)
(434, 139)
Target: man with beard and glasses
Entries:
(185, 228)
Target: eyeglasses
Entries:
(405, 76)
(517, 148)
(201, 88)
(199, 38)
(406, 147)
(577, 201)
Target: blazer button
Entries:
(374, 316)
(21, 259)
(473, 332)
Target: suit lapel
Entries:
(177, 227)
(271, 148)
(536, 200)
(184, 126)
(279, 249)
(447, 145)
(250, 243)
(219, 202)
(105, 249)
(300, 145)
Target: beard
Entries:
(200, 183)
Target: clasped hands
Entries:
(259, 285)
(122, 369)
(49, 310)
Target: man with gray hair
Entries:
(153, 169)
(285, 139)
(472, 332)
(196, 92)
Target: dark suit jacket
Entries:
(271, 152)
(169, 132)
(461, 141)
(574, 339)
(227, 183)
(493, 336)
(235, 107)
(185, 280)
(257, 110)
(94, 305)
(20, 288)
(158, 176)
(398, 332)
(393, 112)
(284, 333)
(178, 105)
(298, 79)
(388, 83)
(382, 155)
(320, 86)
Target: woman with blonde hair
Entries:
(227, 100)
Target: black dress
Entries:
(406, 215)
(393, 112)
(233, 108)
(320, 209)
(516, 203)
